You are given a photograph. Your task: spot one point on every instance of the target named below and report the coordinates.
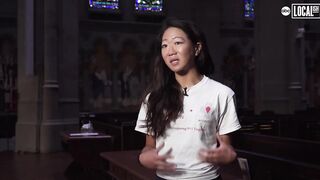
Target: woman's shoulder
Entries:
(220, 88)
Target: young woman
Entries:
(186, 116)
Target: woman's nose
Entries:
(171, 50)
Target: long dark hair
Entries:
(165, 101)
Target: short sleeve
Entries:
(141, 124)
(228, 120)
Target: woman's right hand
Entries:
(150, 158)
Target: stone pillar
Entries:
(296, 85)
(278, 71)
(50, 124)
(60, 83)
(69, 65)
(47, 73)
(271, 41)
(27, 127)
(208, 17)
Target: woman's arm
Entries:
(150, 159)
(150, 143)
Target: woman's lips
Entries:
(174, 61)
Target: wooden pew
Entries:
(85, 150)
(299, 125)
(272, 157)
(266, 167)
(121, 126)
(124, 165)
(261, 124)
(125, 137)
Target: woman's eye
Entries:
(178, 42)
(163, 46)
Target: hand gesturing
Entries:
(151, 159)
(223, 154)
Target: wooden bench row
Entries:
(279, 158)
(294, 125)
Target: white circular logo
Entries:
(285, 10)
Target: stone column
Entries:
(271, 57)
(51, 123)
(278, 71)
(208, 15)
(69, 65)
(27, 127)
(60, 84)
(296, 85)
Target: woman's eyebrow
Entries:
(175, 37)
(178, 37)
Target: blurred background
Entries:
(67, 62)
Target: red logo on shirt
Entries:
(208, 109)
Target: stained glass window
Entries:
(149, 5)
(249, 9)
(104, 4)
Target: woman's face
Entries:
(177, 50)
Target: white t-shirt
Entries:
(209, 108)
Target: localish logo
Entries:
(305, 11)
(302, 11)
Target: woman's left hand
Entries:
(223, 154)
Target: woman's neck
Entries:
(189, 79)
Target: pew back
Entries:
(273, 157)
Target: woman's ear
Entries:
(198, 48)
